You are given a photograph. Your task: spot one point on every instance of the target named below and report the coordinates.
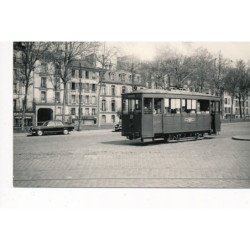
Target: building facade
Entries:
(114, 84)
(236, 108)
(46, 94)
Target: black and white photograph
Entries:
(131, 114)
(124, 125)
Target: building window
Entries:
(80, 73)
(103, 105)
(113, 90)
(130, 78)
(43, 96)
(225, 100)
(87, 99)
(113, 118)
(113, 105)
(87, 87)
(246, 103)
(123, 89)
(104, 90)
(103, 119)
(93, 75)
(73, 98)
(14, 104)
(80, 99)
(15, 88)
(93, 111)
(87, 111)
(57, 97)
(81, 110)
(43, 82)
(93, 100)
(73, 111)
(73, 72)
(59, 110)
(73, 86)
(87, 74)
(93, 88)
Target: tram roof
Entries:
(179, 93)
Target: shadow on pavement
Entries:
(149, 143)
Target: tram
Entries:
(175, 114)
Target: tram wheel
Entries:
(166, 139)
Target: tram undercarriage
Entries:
(174, 136)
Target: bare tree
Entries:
(62, 55)
(104, 56)
(243, 85)
(28, 55)
(219, 71)
(203, 62)
(231, 82)
(55, 80)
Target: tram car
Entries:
(175, 114)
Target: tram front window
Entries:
(131, 106)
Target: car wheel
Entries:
(39, 132)
(65, 132)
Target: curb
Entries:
(241, 137)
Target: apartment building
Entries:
(46, 93)
(114, 84)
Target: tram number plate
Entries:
(189, 119)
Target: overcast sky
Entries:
(146, 50)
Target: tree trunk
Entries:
(24, 107)
(240, 106)
(79, 109)
(222, 102)
(98, 103)
(64, 101)
(243, 103)
(232, 101)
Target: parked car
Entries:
(51, 127)
(118, 127)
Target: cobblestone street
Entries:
(102, 158)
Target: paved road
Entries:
(102, 158)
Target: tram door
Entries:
(157, 116)
(147, 118)
(215, 114)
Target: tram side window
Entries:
(157, 106)
(190, 106)
(125, 106)
(166, 106)
(175, 106)
(203, 107)
(148, 105)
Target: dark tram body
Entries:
(169, 114)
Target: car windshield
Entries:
(45, 123)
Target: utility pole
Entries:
(80, 97)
